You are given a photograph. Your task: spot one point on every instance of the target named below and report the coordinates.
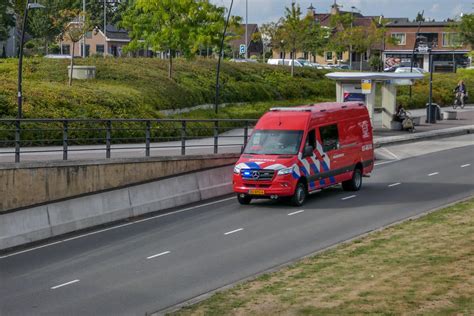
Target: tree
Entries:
(6, 19)
(42, 23)
(173, 26)
(293, 31)
(466, 28)
(74, 24)
(420, 17)
(95, 9)
(272, 35)
(316, 38)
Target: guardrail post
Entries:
(108, 139)
(183, 138)
(246, 133)
(17, 141)
(147, 138)
(65, 139)
(216, 137)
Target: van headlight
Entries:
(237, 169)
(285, 171)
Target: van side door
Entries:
(330, 156)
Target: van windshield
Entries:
(274, 142)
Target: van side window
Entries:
(329, 137)
(311, 139)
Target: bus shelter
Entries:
(362, 87)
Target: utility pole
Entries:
(246, 29)
(221, 51)
(84, 37)
(106, 49)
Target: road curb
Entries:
(416, 137)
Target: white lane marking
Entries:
(384, 163)
(466, 165)
(297, 212)
(119, 226)
(433, 174)
(158, 255)
(64, 284)
(394, 185)
(349, 197)
(234, 231)
(391, 153)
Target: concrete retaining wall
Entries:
(29, 184)
(34, 224)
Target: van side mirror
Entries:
(308, 151)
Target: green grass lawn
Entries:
(420, 267)
(140, 88)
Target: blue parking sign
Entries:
(243, 49)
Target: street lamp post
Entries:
(106, 48)
(431, 115)
(20, 56)
(246, 29)
(221, 50)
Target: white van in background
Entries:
(285, 62)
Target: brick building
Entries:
(448, 52)
(96, 43)
(331, 57)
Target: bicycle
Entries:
(459, 100)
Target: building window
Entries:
(339, 56)
(66, 49)
(89, 35)
(328, 56)
(306, 55)
(451, 40)
(99, 49)
(401, 38)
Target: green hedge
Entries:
(443, 86)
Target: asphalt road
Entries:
(151, 265)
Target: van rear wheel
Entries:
(300, 195)
(355, 183)
(244, 199)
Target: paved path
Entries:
(230, 142)
(159, 262)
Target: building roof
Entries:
(404, 23)
(114, 33)
(251, 28)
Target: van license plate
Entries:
(257, 192)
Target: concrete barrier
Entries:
(56, 181)
(54, 219)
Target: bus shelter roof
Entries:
(375, 76)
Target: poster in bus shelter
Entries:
(353, 93)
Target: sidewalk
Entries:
(232, 141)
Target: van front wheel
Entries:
(300, 195)
(244, 199)
(355, 183)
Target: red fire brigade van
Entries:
(296, 151)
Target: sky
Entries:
(261, 11)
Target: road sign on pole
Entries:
(366, 86)
(243, 49)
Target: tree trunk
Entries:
(72, 63)
(361, 58)
(170, 66)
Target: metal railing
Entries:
(68, 136)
